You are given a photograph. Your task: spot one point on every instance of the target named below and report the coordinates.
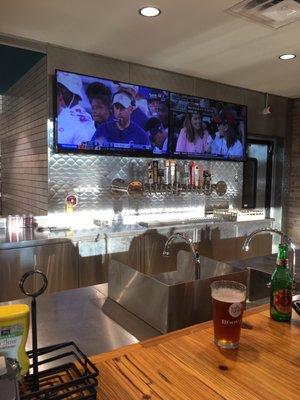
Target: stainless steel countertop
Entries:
(31, 237)
(87, 317)
(90, 319)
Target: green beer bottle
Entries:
(281, 287)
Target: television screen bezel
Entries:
(104, 152)
(209, 157)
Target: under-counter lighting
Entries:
(287, 56)
(149, 11)
(79, 220)
(163, 215)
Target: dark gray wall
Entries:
(91, 176)
(275, 125)
(24, 152)
(293, 194)
(90, 64)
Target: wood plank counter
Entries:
(187, 365)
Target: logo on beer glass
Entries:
(235, 310)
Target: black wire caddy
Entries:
(60, 371)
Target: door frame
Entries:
(269, 170)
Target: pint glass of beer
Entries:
(228, 301)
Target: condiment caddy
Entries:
(60, 371)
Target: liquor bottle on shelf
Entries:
(281, 287)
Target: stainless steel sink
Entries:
(171, 300)
(258, 291)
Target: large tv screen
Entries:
(110, 117)
(207, 129)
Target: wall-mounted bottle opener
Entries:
(71, 201)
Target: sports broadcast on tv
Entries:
(204, 128)
(100, 115)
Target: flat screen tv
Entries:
(96, 115)
(207, 129)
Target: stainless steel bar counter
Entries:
(27, 237)
(87, 317)
(79, 257)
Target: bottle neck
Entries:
(282, 258)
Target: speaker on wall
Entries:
(249, 183)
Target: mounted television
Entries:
(207, 129)
(96, 115)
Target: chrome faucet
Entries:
(284, 239)
(185, 238)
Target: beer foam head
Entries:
(228, 295)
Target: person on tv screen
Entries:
(224, 122)
(99, 96)
(140, 113)
(192, 137)
(226, 142)
(122, 129)
(234, 147)
(75, 124)
(97, 89)
(158, 107)
(100, 109)
(154, 100)
(219, 146)
(163, 113)
(157, 135)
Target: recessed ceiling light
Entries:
(149, 11)
(287, 56)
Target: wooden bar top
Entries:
(187, 365)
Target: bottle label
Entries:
(282, 300)
(10, 340)
(282, 262)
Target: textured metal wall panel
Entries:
(89, 176)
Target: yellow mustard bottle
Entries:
(14, 325)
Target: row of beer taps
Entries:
(173, 178)
(176, 178)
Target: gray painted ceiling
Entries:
(192, 37)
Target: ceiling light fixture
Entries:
(149, 11)
(287, 56)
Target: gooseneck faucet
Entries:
(284, 239)
(185, 238)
